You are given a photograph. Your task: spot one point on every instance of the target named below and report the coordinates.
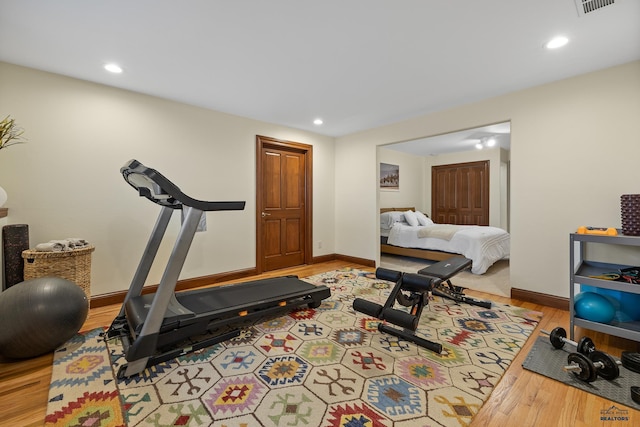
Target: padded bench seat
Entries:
(447, 268)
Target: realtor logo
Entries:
(614, 414)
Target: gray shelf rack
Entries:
(580, 272)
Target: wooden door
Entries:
(283, 204)
(444, 197)
(460, 193)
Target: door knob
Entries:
(265, 214)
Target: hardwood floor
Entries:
(522, 398)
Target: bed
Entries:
(414, 234)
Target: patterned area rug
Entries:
(325, 367)
(83, 391)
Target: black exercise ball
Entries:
(39, 315)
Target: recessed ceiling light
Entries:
(556, 42)
(491, 142)
(318, 122)
(113, 68)
(479, 146)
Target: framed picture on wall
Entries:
(389, 177)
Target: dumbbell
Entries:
(588, 368)
(558, 338)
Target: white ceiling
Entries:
(464, 140)
(357, 64)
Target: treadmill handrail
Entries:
(160, 190)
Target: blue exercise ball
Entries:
(594, 307)
(39, 315)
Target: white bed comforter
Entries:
(482, 245)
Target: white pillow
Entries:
(423, 219)
(387, 219)
(410, 217)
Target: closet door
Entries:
(460, 193)
(444, 200)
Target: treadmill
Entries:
(161, 326)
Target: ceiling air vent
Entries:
(588, 6)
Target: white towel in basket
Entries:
(53, 246)
(68, 244)
(76, 243)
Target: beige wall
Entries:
(65, 182)
(574, 151)
(411, 190)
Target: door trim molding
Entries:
(307, 151)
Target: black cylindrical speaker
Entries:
(15, 239)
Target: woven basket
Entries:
(630, 213)
(74, 265)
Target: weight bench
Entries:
(445, 270)
(418, 287)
